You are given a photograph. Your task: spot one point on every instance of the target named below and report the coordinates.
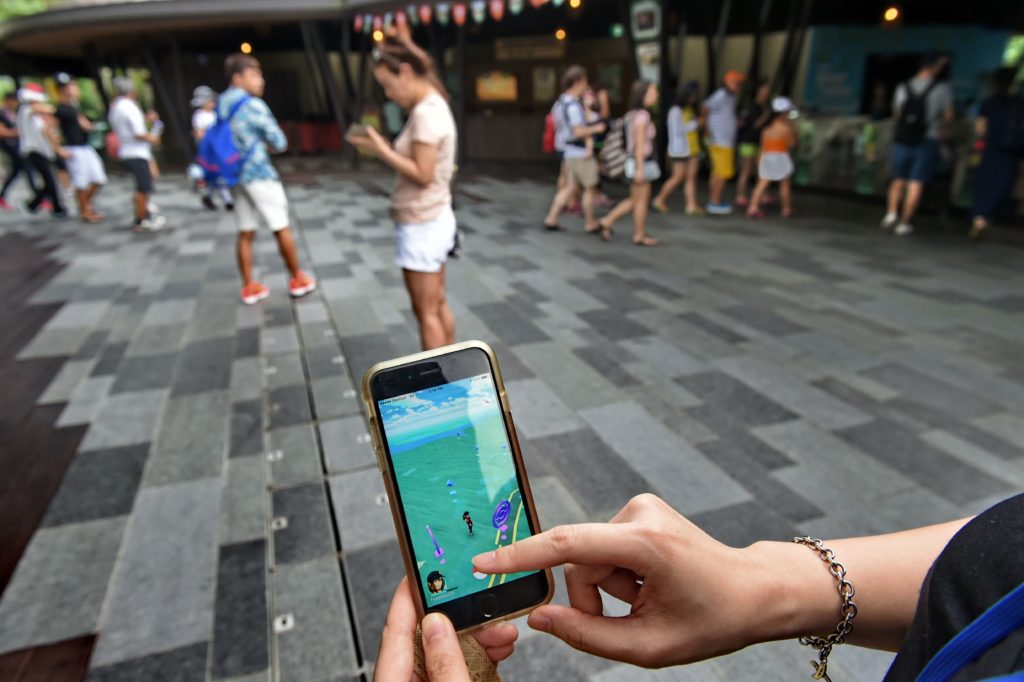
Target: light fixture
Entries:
(891, 14)
(575, 4)
(246, 48)
(378, 35)
(560, 34)
(616, 30)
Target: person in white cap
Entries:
(204, 101)
(40, 146)
(84, 165)
(136, 152)
(775, 165)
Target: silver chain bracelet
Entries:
(848, 610)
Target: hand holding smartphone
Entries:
(455, 478)
(356, 130)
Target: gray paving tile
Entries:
(244, 513)
(321, 645)
(73, 315)
(361, 509)
(156, 340)
(743, 404)
(335, 397)
(296, 456)
(59, 586)
(240, 616)
(667, 358)
(378, 570)
(288, 405)
(740, 525)
(537, 411)
(932, 393)
(185, 664)
(681, 475)
(143, 373)
(284, 369)
(51, 342)
(192, 441)
(508, 323)
(542, 658)
(169, 312)
(308, 534)
(109, 358)
(555, 504)
(597, 476)
(162, 594)
(247, 342)
(280, 339)
(346, 444)
(246, 379)
(98, 484)
(613, 324)
(718, 331)
(204, 365)
(246, 428)
(85, 400)
(64, 383)
(125, 419)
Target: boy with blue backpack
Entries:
(235, 152)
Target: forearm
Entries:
(403, 165)
(801, 598)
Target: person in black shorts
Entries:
(136, 152)
(10, 146)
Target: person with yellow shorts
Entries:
(719, 111)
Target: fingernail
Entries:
(434, 626)
(539, 622)
(485, 560)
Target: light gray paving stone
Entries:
(665, 358)
(244, 502)
(361, 509)
(555, 504)
(280, 339)
(969, 453)
(165, 338)
(537, 411)
(162, 594)
(65, 382)
(54, 342)
(677, 472)
(335, 397)
(125, 419)
(58, 589)
(192, 440)
(284, 369)
(174, 311)
(85, 400)
(708, 671)
(1006, 425)
(296, 458)
(74, 315)
(346, 444)
(787, 390)
(572, 380)
(832, 350)
(320, 646)
(246, 379)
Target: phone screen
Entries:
(457, 483)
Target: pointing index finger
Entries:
(595, 544)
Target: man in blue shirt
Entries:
(259, 192)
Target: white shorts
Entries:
(85, 167)
(424, 247)
(261, 198)
(775, 166)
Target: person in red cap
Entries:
(40, 146)
(720, 113)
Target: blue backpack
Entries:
(218, 156)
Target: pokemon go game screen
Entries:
(457, 482)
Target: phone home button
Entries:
(488, 605)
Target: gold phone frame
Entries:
(517, 456)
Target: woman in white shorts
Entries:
(423, 157)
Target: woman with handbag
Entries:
(641, 167)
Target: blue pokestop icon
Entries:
(501, 513)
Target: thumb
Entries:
(616, 638)
(441, 650)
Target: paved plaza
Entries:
(222, 517)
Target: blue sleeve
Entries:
(263, 121)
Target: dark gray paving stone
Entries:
(943, 474)
(246, 428)
(713, 328)
(98, 292)
(289, 405)
(187, 664)
(240, 617)
(542, 658)
(325, 361)
(607, 365)
(599, 478)
(333, 271)
(92, 345)
(511, 366)
(735, 436)
(98, 484)
(154, 340)
(204, 366)
(763, 320)
(145, 372)
(511, 326)
(769, 491)
(932, 393)
(377, 572)
(247, 342)
(110, 358)
(613, 324)
(730, 396)
(309, 533)
(364, 351)
(614, 291)
(742, 524)
(171, 290)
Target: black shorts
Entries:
(139, 169)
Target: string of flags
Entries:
(444, 12)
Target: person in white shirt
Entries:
(204, 101)
(40, 146)
(136, 150)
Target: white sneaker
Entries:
(149, 224)
(889, 221)
(158, 220)
(152, 207)
(903, 229)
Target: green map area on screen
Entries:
(454, 468)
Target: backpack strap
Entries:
(574, 141)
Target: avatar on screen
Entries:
(453, 464)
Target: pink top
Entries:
(641, 117)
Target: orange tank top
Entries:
(775, 144)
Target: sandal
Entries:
(606, 231)
(554, 228)
(593, 230)
(646, 241)
(660, 208)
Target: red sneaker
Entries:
(4, 205)
(301, 284)
(45, 205)
(254, 292)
